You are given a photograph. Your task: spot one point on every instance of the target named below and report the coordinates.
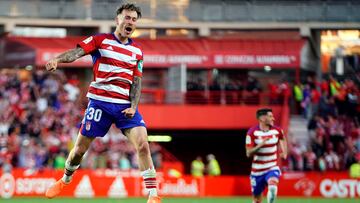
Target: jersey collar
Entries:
(117, 39)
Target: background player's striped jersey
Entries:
(114, 66)
(266, 158)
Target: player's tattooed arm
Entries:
(66, 57)
(135, 92)
(284, 148)
(70, 55)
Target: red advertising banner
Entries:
(329, 185)
(195, 53)
(222, 60)
(192, 116)
(120, 184)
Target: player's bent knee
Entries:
(144, 148)
(272, 189)
(273, 181)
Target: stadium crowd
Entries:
(40, 115)
(331, 108)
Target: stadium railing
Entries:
(161, 96)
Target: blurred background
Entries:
(208, 65)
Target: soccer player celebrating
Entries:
(113, 95)
(262, 142)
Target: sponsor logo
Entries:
(88, 125)
(340, 188)
(23, 186)
(176, 59)
(109, 48)
(254, 59)
(180, 187)
(140, 65)
(306, 186)
(7, 185)
(87, 40)
(84, 188)
(117, 188)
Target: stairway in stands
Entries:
(298, 130)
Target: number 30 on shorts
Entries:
(94, 114)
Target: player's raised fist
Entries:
(51, 65)
(283, 155)
(264, 140)
(129, 112)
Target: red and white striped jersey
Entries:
(265, 159)
(114, 67)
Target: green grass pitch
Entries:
(177, 200)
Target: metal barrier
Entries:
(160, 96)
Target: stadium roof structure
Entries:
(194, 53)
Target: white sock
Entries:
(67, 178)
(149, 177)
(271, 194)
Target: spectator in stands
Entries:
(32, 111)
(334, 86)
(321, 164)
(124, 163)
(336, 131)
(309, 159)
(156, 154)
(318, 145)
(274, 92)
(233, 92)
(298, 96)
(332, 159)
(215, 92)
(296, 156)
(197, 167)
(324, 87)
(213, 167)
(306, 102)
(253, 91)
(5, 161)
(284, 90)
(72, 89)
(195, 93)
(59, 161)
(315, 96)
(352, 102)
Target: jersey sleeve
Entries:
(139, 66)
(249, 141)
(90, 44)
(281, 134)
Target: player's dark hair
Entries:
(262, 112)
(130, 7)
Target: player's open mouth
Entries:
(128, 30)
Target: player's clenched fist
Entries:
(283, 155)
(129, 112)
(264, 140)
(51, 65)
